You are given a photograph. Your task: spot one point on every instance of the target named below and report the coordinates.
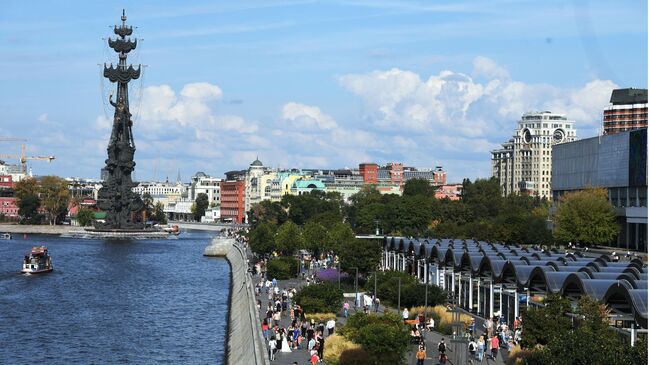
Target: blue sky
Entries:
(311, 84)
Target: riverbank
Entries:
(35, 229)
(245, 344)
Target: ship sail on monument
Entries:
(116, 198)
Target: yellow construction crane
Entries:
(23, 159)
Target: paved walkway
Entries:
(301, 356)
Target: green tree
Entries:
(267, 211)
(289, 238)
(362, 254)
(147, 199)
(302, 208)
(586, 217)
(26, 192)
(415, 215)
(315, 236)
(544, 323)
(262, 238)
(483, 197)
(282, 268)
(384, 337)
(418, 187)
(159, 213)
(85, 216)
(340, 235)
(55, 197)
(320, 298)
(200, 205)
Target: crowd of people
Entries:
(301, 334)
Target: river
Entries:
(114, 302)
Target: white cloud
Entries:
(307, 117)
(43, 118)
(486, 67)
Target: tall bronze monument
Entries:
(115, 197)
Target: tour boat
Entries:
(5, 236)
(172, 230)
(38, 261)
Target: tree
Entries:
(362, 254)
(85, 216)
(147, 199)
(543, 323)
(586, 217)
(26, 192)
(289, 238)
(315, 236)
(159, 213)
(282, 268)
(340, 235)
(267, 211)
(483, 197)
(262, 238)
(415, 215)
(385, 337)
(320, 298)
(55, 197)
(200, 205)
(418, 187)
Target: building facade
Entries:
(524, 163)
(233, 197)
(628, 110)
(618, 163)
(368, 172)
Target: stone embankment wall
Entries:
(245, 344)
(34, 229)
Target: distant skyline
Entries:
(311, 84)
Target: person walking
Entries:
(442, 346)
(405, 315)
(272, 348)
(481, 348)
(472, 350)
(346, 308)
(495, 347)
(330, 326)
(421, 355)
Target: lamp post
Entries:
(356, 289)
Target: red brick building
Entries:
(439, 176)
(233, 197)
(369, 172)
(8, 207)
(396, 172)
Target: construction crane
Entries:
(23, 159)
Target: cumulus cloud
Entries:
(488, 68)
(306, 116)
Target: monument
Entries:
(116, 198)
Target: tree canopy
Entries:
(289, 238)
(201, 203)
(55, 197)
(586, 217)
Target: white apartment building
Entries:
(202, 183)
(523, 164)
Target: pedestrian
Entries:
(330, 326)
(481, 348)
(405, 315)
(265, 329)
(421, 355)
(321, 345)
(376, 303)
(495, 347)
(272, 349)
(346, 308)
(442, 346)
(314, 358)
(472, 350)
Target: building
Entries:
(628, 110)
(233, 191)
(15, 171)
(369, 172)
(451, 192)
(164, 192)
(8, 207)
(202, 183)
(617, 162)
(439, 176)
(259, 184)
(524, 163)
(305, 186)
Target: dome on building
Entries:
(257, 163)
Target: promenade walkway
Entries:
(301, 356)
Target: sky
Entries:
(310, 84)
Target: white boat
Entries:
(5, 236)
(172, 230)
(38, 261)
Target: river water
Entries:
(114, 302)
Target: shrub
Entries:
(335, 346)
(412, 292)
(323, 297)
(444, 319)
(320, 317)
(519, 356)
(282, 268)
(385, 337)
(330, 275)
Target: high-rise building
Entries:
(233, 196)
(628, 110)
(369, 172)
(617, 163)
(523, 165)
